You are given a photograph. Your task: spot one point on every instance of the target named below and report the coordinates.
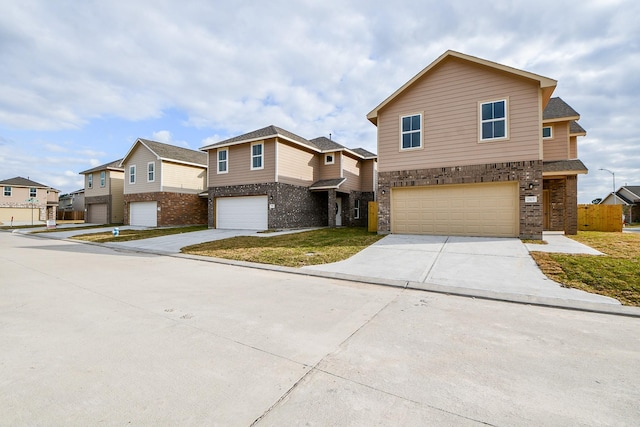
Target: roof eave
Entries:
(565, 172)
(262, 138)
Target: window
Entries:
(90, 180)
(411, 131)
(493, 117)
(329, 159)
(33, 192)
(7, 191)
(132, 174)
(356, 209)
(103, 178)
(151, 172)
(547, 132)
(257, 156)
(223, 160)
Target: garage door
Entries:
(242, 213)
(144, 214)
(97, 213)
(19, 214)
(456, 210)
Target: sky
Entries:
(81, 80)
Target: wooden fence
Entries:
(373, 217)
(70, 215)
(600, 218)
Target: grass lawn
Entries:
(616, 274)
(293, 250)
(126, 235)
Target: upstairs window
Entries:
(411, 131)
(7, 191)
(257, 155)
(151, 172)
(33, 192)
(493, 118)
(90, 180)
(132, 174)
(223, 160)
(103, 178)
(547, 132)
(329, 159)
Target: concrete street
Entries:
(99, 335)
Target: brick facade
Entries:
(98, 200)
(292, 206)
(563, 204)
(174, 208)
(525, 173)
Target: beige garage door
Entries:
(456, 210)
(19, 215)
(97, 213)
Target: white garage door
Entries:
(456, 210)
(97, 213)
(242, 213)
(144, 213)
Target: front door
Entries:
(338, 212)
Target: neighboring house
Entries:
(104, 194)
(461, 152)
(162, 184)
(24, 200)
(71, 205)
(629, 197)
(271, 178)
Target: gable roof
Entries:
(19, 181)
(635, 189)
(546, 84)
(266, 132)
(115, 165)
(172, 153)
(558, 109)
(319, 145)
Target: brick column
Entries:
(571, 205)
(332, 208)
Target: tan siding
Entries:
(20, 195)
(179, 178)
(117, 197)
(330, 171)
(96, 190)
(140, 157)
(573, 147)
(367, 175)
(295, 165)
(351, 171)
(557, 148)
(239, 165)
(448, 97)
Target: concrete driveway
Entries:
(491, 265)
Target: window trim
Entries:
(506, 120)
(260, 156)
(326, 159)
(103, 178)
(402, 133)
(90, 181)
(225, 161)
(550, 132)
(132, 174)
(151, 172)
(356, 209)
(10, 190)
(35, 192)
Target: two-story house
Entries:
(271, 178)
(460, 152)
(104, 193)
(24, 200)
(162, 185)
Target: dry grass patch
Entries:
(616, 274)
(127, 235)
(292, 250)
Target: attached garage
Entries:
(97, 213)
(242, 213)
(19, 214)
(457, 210)
(143, 214)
